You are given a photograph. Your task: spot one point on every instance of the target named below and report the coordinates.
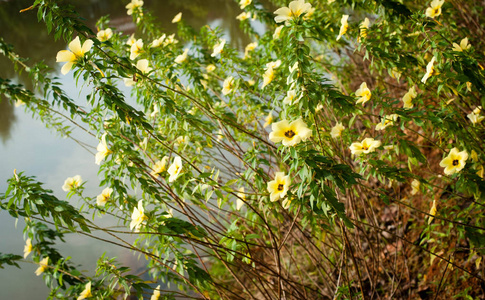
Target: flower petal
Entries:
(75, 46)
(66, 68)
(65, 56)
(87, 46)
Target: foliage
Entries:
(372, 199)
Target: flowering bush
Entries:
(369, 183)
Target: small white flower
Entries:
(177, 18)
(218, 48)
(174, 169)
(72, 183)
(104, 35)
(337, 130)
(102, 198)
(182, 57)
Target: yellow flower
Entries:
(250, 47)
(429, 70)
(475, 117)
(104, 35)
(160, 166)
(182, 57)
(454, 162)
(129, 81)
(273, 64)
(156, 293)
(435, 8)
(27, 247)
(243, 16)
(336, 130)
(218, 48)
(469, 86)
(174, 169)
(42, 266)
(463, 45)
(142, 65)
(289, 134)
(244, 3)
(294, 10)
(210, 68)
(102, 198)
(71, 183)
(387, 121)
(269, 75)
(364, 93)
(170, 40)
(136, 49)
(368, 145)
(158, 42)
(228, 85)
(279, 186)
(103, 150)
(277, 32)
(268, 120)
(181, 140)
(177, 18)
(291, 97)
(415, 184)
(240, 195)
(131, 40)
(138, 216)
(86, 293)
(395, 73)
(364, 27)
(133, 5)
(76, 52)
(474, 156)
(343, 27)
(432, 212)
(407, 99)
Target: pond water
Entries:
(26, 145)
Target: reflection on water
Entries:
(7, 118)
(31, 40)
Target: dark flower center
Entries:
(280, 187)
(290, 134)
(455, 162)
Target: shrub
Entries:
(339, 157)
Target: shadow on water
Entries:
(7, 119)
